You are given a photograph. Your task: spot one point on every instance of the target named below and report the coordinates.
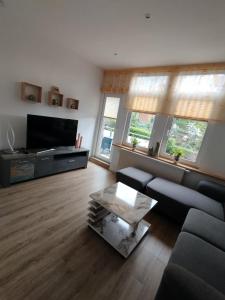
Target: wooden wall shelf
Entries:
(72, 103)
(31, 92)
(55, 98)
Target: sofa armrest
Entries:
(178, 283)
(213, 190)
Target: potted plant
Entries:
(134, 142)
(177, 154)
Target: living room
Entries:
(112, 137)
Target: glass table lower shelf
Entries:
(119, 234)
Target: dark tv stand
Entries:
(36, 163)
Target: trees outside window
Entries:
(140, 127)
(185, 136)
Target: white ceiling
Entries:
(179, 32)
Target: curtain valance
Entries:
(116, 82)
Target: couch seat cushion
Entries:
(210, 229)
(201, 258)
(180, 284)
(176, 200)
(134, 177)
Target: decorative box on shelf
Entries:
(54, 97)
(31, 92)
(72, 103)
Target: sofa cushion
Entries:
(175, 200)
(212, 189)
(134, 177)
(206, 227)
(200, 258)
(178, 283)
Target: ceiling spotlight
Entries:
(2, 3)
(147, 16)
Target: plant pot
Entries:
(176, 158)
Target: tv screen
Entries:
(49, 132)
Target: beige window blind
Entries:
(199, 96)
(147, 92)
(193, 95)
(111, 107)
(188, 91)
(116, 82)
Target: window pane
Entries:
(186, 137)
(141, 128)
(108, 127)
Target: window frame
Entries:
(162, 150)
(126, 130)
(100, 126)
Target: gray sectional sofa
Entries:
(196, 269)
(175, 200)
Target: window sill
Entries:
(168, 161)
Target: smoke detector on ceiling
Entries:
(147, 16)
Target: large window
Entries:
(168, 108)
(185, 137)
(140, 127)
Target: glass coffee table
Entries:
(116, 213)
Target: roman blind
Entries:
(116, 82)
(111, 107)
(147, 92)
(197, 95)
(188, 91)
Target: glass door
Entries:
(107, 127)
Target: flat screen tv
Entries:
(48, 132)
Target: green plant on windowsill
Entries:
(178, 152)
(134, 142)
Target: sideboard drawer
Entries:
(21, 170)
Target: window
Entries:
(184, 136)
(107, 127)
(140, 127)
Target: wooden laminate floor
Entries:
(47, 251)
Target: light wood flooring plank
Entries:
(47, 252)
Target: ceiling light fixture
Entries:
(147, 16)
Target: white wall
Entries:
(212, 156)
(24, 58)
(161, 169)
